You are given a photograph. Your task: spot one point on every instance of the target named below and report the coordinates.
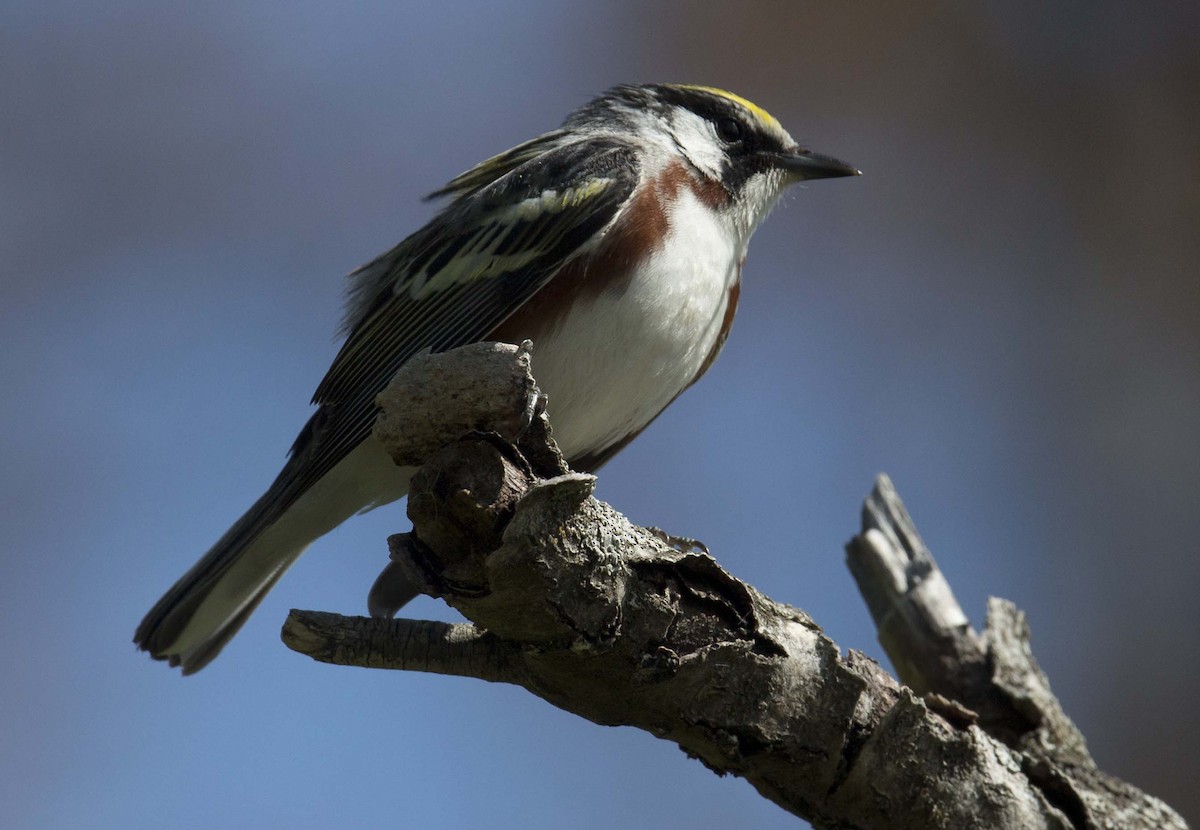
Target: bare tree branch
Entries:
(609, 620)
(993, 679)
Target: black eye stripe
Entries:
(730, 129)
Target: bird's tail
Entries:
(201, 612)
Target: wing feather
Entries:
(517, 220)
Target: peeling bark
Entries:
(613, 622)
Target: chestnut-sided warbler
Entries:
(615, 243)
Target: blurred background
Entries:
(1003, 314)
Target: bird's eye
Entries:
(730, 129)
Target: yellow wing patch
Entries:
(536, 226)
(758, 112)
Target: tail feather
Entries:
(206, 607)
(201, 612)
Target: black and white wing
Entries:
(517, 220)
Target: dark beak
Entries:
(804, 164)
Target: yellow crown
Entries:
(759, 113)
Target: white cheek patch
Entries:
(697, 140)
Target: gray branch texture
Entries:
(623, 625)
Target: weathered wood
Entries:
(611, 621)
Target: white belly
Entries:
(618, 359)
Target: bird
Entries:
(615, 243)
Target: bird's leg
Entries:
(535, 406)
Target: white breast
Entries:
(618, 359)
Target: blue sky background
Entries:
(1002, 314)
